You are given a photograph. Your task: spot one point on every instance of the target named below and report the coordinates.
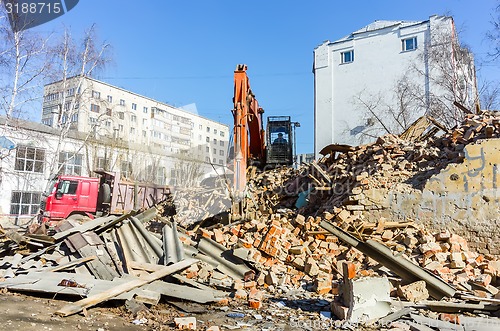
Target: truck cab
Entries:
(67, 195)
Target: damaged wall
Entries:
(462, 197)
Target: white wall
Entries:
(378, 63)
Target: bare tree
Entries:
(493, 35)
(452, 78)
(388, 112)
(23, 66)
(73, 64)
(187, 169)
(442, 74)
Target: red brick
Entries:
(452, 318)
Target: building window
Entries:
(208, 129)
(30, 159)
(70, 92)
(134, 106)
(144, 133)
(126, 169)
(200, 127)
(222, 133)
(347, 57)
(110, 98)
(221, 143)
(109, 112)
(96, 95)
(215, 141)
(133, 118)
(215, 151)
(145, 110)
(108, 124)
(208, 139)
(215, 131)
(24, 203)
(221, 162)
(121, 115)
(409, 44)
(70, 163)
(214, 160)
(94, 108)
(207, 149)
(120, 127)
(221, 152)
(102, 163)
(92, 121)
(132, 130)
(122, 102)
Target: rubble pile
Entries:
(306, 236)
(393, 163)
(293, 252)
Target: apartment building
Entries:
(385, 75)
(104, 110)
(32, 153)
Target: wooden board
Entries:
(117, 290)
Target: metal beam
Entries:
(403, 267)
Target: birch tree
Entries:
(73, 63)
(23, 67)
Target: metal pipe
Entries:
(401, 266)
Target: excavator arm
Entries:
(249, 135)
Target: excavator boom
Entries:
(249, 135)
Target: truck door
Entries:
(66, 199)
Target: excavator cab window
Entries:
(279, 141)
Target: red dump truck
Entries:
(75, 197)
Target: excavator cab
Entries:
(279, 138)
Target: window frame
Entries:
(33, 205)
(344, 59)
(25, 164)
(404, 44)
(70, 163)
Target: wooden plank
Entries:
(155, 267)
(78, 306)
(321, 172)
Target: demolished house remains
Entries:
(401, 234)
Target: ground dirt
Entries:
(34, 313)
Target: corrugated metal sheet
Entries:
(224, 260)
(172, 246)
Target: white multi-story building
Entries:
(89, 125)
(92, 106)
(382, 77)
(32, 153)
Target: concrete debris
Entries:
(185, 323)
(365, 299)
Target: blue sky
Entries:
(183, 52)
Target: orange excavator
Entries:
(254, 146)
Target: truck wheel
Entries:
(104, 195)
